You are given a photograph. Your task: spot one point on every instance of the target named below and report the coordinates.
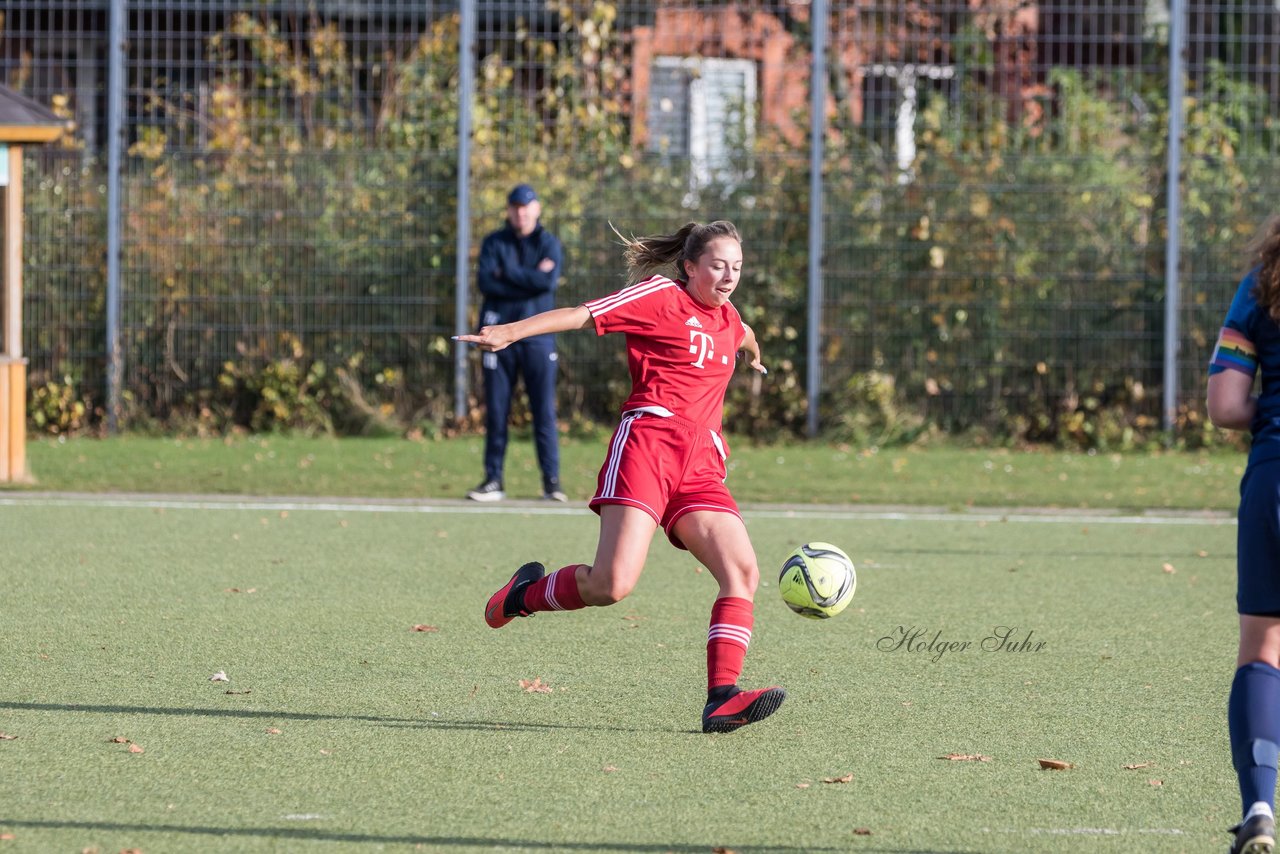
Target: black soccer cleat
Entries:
(1255, 835)
(507, 604)
(742, 708)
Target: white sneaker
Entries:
(490, 490)
(551, 490)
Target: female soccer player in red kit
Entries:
(666, 461)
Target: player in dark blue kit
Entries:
(518, 271)
(1249, 344)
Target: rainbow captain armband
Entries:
(1234, 352)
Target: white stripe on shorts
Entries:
(614, 461)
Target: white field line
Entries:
(538, 508)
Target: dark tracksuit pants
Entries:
(536, 360)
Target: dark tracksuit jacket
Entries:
(514, 288)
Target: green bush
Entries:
(58, 407)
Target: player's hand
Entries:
(546, 265)
(750, 348)
(491, 339)
(753, 361)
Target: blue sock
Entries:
(1253, 719)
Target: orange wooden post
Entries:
(22, 121)
(18, 427)
(13, 402)
(5, 439)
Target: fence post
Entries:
(466, 88)
(115, 141)
(1173, 207)
(817, 135)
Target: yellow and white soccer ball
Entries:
(817, 580)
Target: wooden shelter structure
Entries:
(22, 122)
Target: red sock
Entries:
(555, 592)
(727, 640)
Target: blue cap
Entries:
(521, 194)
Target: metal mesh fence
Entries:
(994, 194)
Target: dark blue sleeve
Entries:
(493, 270)
(1236, 349)
(530, 281)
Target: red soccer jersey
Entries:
(681, 353)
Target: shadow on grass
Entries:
(491, 843)
(1158, 549)
(425, 723)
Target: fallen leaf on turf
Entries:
(273, 731)
(324, 752)
(610, 768)
(1168, 567)
(135, 748)
(847, 778)
(536, 686)
(7, 836)
(719, 849)
(245, 691)
(802, 785)
(1054, 764)
(220, 676)
(4, 736)
(1156, 782)
(423, 627)
(119, 739)
(1135, 766)
(966, 757)
(862, 831)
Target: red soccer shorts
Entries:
(667, 467)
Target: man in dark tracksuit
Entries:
(518, 271)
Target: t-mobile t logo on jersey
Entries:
(703, 347)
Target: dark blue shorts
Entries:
(1258, 541)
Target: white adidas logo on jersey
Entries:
(693, 321)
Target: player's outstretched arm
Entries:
(494, 338)
(752, 348)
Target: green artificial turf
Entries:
(803, 473)
(343, 728)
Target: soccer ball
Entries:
(817, 581)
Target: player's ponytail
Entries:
(1264, 256)
(647, 254)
